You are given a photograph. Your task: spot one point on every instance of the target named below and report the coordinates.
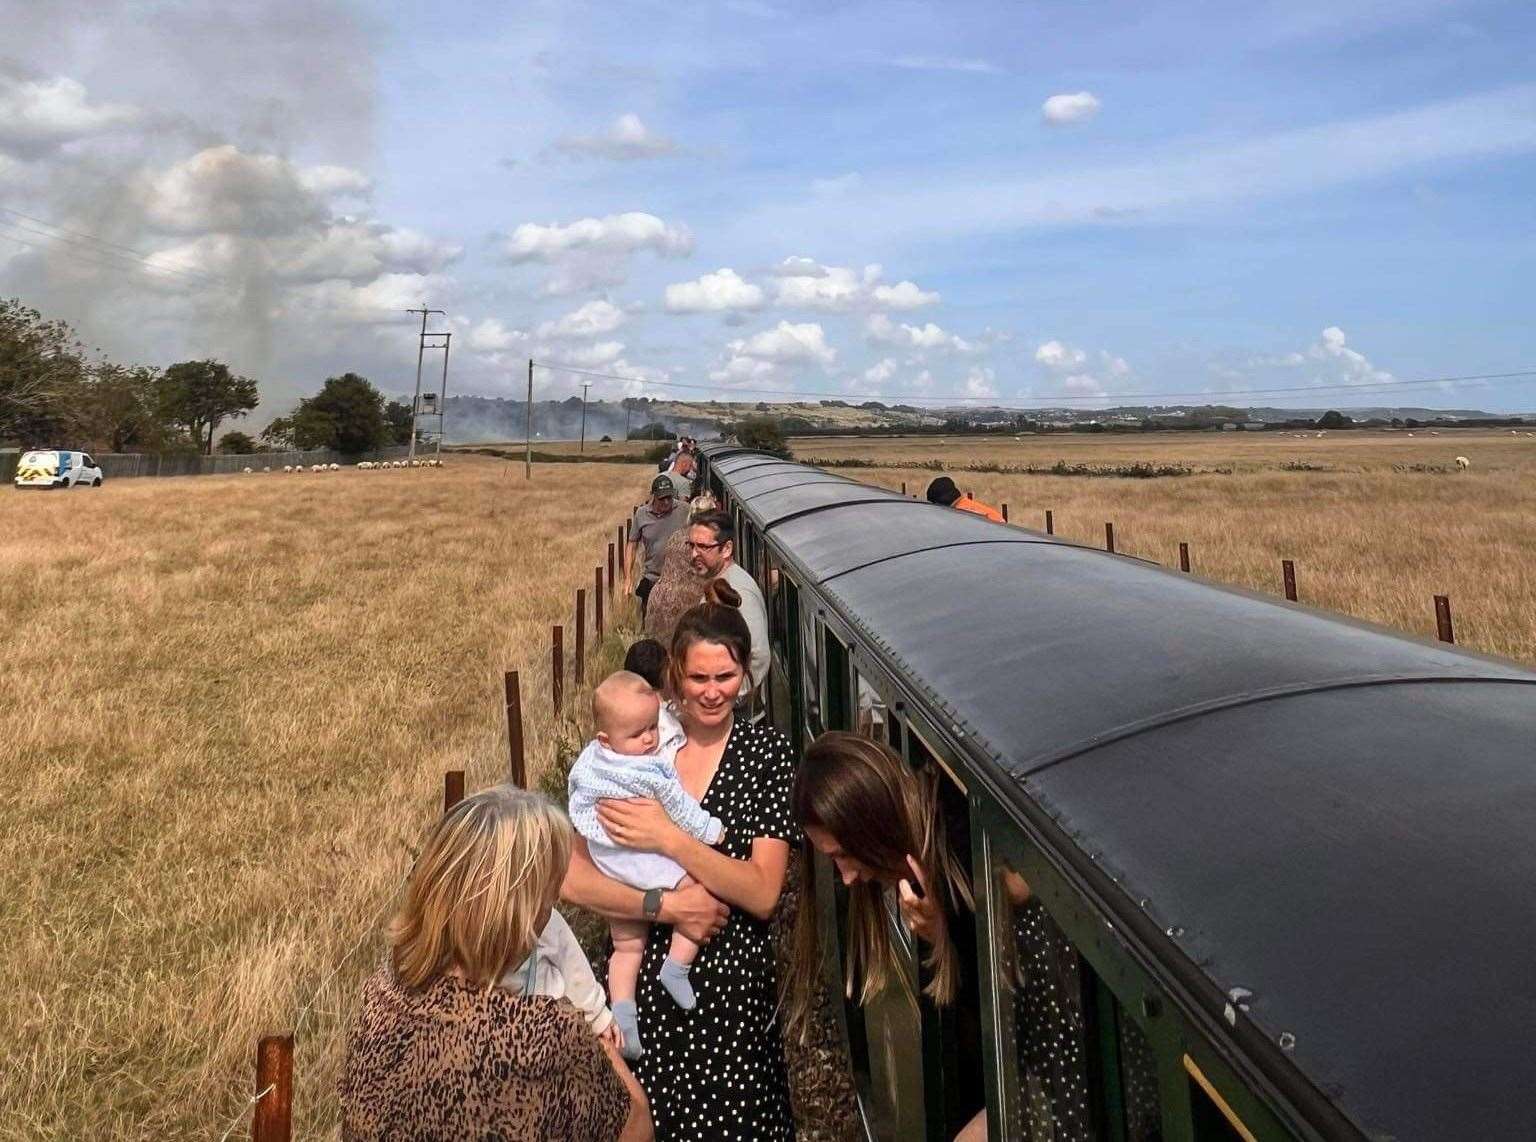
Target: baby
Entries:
(556, 966)
(637, 741)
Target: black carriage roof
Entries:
(1330, 816)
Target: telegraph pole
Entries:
(585, 386)
(442, 397)
(421, 348)
(528, 428)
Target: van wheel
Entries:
(96, 483)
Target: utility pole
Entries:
(442, 398)
(628, 408)
(421, 348)
(528, 428)
(585, 386)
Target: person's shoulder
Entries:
(741, 579)
(763, 738)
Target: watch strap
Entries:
(651, 903)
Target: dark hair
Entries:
(718, 522)
(717, 619)
(648, 658)
(943, 491)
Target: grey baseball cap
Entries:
(662, 486)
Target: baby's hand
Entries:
(613, 1036)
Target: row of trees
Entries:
(54, 391)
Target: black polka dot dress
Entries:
(717, 1071)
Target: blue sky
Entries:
(1219, 198)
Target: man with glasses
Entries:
(652, 526)
(712, 549)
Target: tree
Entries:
(762, 433)
(1332, 419)
(397, 419)
(41, 365)
(116, 407)
(236, 444)
(347, 414)
(201, 395)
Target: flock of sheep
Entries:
(363, 464)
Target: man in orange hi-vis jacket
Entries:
(943, 491)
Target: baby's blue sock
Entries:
(674, 977)
(627, 1018)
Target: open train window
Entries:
(810, 670)
(837, 706)
(1076, 1067)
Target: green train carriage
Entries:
(1278, 862)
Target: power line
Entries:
(1207, 397)
(137, 255)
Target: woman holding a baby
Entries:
(702, 864)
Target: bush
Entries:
(653, 431)
(763, 434)
(656, 453)
(237, 444)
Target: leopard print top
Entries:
(457, 1061)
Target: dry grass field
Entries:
(1370, 536)
(227, 706)
(229, 701)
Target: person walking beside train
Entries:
(943, 491)
(653, 524)
(717, 1071)
(712, 548)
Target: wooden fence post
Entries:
(453, 788)
(1184, 557)
(1288, 574)
(1005, 513)
(1109, 537)
(517, 770)
(610, 572)
(580, 665)
(597, 606)
(1444, 631)
(557, 668)
(272, 1120)
(1050, 524)
(903, 487)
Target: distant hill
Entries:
(471, 420)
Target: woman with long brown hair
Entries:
(880, 824)
(716, 1071)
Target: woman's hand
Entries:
(693, 912)
(640, 823)
(923, 917)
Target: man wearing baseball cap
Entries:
(652, 526)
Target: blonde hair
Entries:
(608, 693)
(880, 811)
(485, 880)
(701, 503)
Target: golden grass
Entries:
(1368, 541)
(228, 703)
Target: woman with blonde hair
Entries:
(444, 1045)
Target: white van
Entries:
(57, 468)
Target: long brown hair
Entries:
(879, 810)
(717, 619)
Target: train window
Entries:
(839, 715)
(1138, 1082)
(810, 672)
(1043, 1021)
(1212, 1117)
(871, 710)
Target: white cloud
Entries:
(616, 233)
(1075, 107)
(719, 292)
(943, 63)
(1083, 385)
(981, 381)
(626, 138)
(594, 319)
(881, 371)
(1338, 361)
(334, 180)
(806, 284)
(594, 252)
(787, 343)
(38, 116)
(229, 190)
(381, 301)
(904, 295)
(350, 250)
(491, 336)
(1058, 355)
(881, 330)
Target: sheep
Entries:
(266, 467)
(247, 471)
(317, 467)
(287, 467)
(1463, 463)
(1410, 435)
(335, 467)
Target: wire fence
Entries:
(118, 465)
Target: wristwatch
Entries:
(651, 904)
